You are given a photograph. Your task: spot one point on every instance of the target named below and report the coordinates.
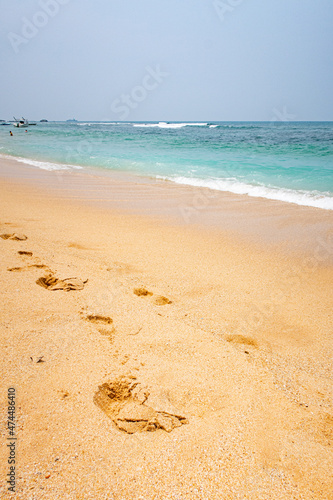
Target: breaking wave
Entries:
(169, 125)
(304, 198)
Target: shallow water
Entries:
(286, 161)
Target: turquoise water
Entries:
(288, 161)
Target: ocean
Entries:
(287, 161)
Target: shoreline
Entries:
(238, 188)
(233, 334)
(281, 225)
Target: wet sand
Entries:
(191, 356)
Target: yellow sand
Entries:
(232, 336)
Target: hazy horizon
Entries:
(220, 60)
(38, 120)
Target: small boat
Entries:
(3, 122)
(23, 123)
(44, 120)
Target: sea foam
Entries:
(304, 198)
(45, 165)
(169, 125)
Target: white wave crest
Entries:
(304, 198)
(45, 165)
(169, 125)
(85, 124)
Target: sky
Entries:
(167, 60)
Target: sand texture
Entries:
(163, 361)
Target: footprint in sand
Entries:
(129, 407)
(13, 236)
(320, 426)
(77, 246)
(50, 282)
(120, 268)
(96, 318)
(159, 300)
(162, 301)
(241, 339)
(327, 427)
(24, 268)
(142, 292)
(16, 269)
(100, 321)
(64, 394)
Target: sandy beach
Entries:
(179, 346)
